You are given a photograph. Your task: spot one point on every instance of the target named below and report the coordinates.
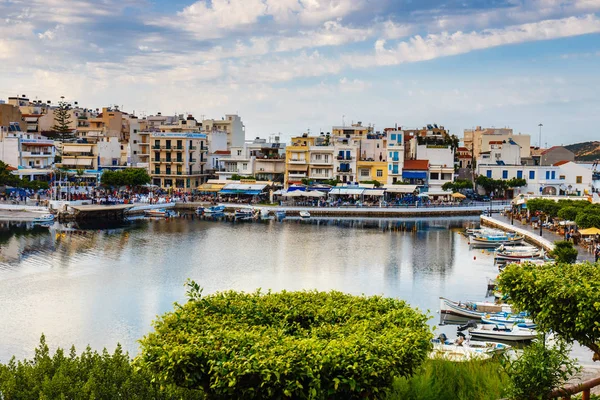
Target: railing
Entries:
(347, 170)
(583, 387)
(193, 160)
(193, 147)
(297, 161)
(155, 147)
(345, 158)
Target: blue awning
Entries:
(234, 191)
(414, 174)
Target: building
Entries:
(555, 154)
(268, 159)
(416, 172)
(217, 149)
(239, 163)
(501, 152)
(464, 158)
(32, 154)
(395, 153)
(138, 146)
(232, 124)
(10, 114)
(441, 166)
(344, 162)
(80, 156)
(478, 140)
(177, 159)
(577, 179)
(109, 123)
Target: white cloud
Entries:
(332, 33)
(50, 34)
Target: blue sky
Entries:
(291, 65)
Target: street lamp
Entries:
(540, 142)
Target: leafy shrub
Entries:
(312, 345)
(88, 376)
(564, 252)
(539, 370)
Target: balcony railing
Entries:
(322, 162)
(346, 170)
(193, 160)
(320, 176)
(193, 147)
(297, 161)
(345, 158)
(297, 174)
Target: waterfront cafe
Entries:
(397, 194)
(244, 192)
(365, 194)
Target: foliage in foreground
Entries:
(88, 376)
(311, 345)
(584, 213)
(447, 380)
(539, 370)
(562, 298)
(564, 252)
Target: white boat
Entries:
(304, 214)
(244, 213)
(160, 213)
(214, 210)
(515, 253)
(472, 309)
(280, 214)
(465, 350)
(199, 210)
(495, 240)
(508, 320)
(502, 332)
(43, 219)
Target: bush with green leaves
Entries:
(125, 177)
(305, 345)
(541, 368)
(564, 252)
(563, 298)
(88, 376)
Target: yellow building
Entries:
(77, 156)
(353, 130)
(109, 123)
(372, 171)
(297, 159)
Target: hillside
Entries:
(586, 151)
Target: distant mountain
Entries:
(586, 151)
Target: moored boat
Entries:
(199, 210)
(280, 214)
(472, 309)
(160, 213)
(304, 214)
(495, 240)
(465, 349)
(44, 219)
(244, 213)
(499, 332)
(214, 210)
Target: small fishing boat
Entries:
(464, 349)
(472, 309)
(244, 214)
(199, 210)
(159, 213)
(304, 214)
(499, 332)
(508, 320)
(280, 214)
(213, 210)
(514, 253)
(495, 240)
(44, 219)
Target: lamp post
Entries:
(540, 142)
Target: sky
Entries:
(289, 66)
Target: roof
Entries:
(222, 152)
(416, 165)
(496, 142)
(563, 162)
(462, 149)
(550, 149)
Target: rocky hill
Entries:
(586, 151)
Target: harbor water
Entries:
(101, 285)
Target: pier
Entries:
(529, 236)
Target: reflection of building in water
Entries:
(433, 249)
(19, 240)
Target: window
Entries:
(547, 174)
(393, 136)
(391, 154)
(519, 174)
(389, 167)
(553, 174)
(364, 173)
(505, 174)
(135, 131)
(245, 166)
(488, 173)
(239, 152)
(135, 152)
(379, 173)
(531, 174)
(579, 179)
(135, 142)
(434, 176)
(157, 170)
(561, 177)
(157, 143)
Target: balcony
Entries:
(177, 148)
(143, 143)
(395, 172)
(395, 159)
(79, 155)
(321, 162)
(193, 160)
(35, 154)
(193, 148)
(349, 158)
(297, 161)
(297, 174)
(344, 170)
(155, 147)
(320, 176)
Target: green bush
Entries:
(568, 213)
(447, 380)
(312, 345)
(88, 376)
(564, 252)
(539, 370)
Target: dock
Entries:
(529, 236)
(95, 211)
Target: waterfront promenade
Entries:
(533, 235)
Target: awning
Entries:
(414, 174)
(344, 191)
(77, 149)
(374, 192)
(400, 188)
(247, 192)
(438, 192)
(297, 167)
(207, 187)
(245, 187)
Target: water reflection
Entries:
(104, 284)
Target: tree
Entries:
(374, 183)
(62, 121)
(458, 185)
(126, 177)
(492, 185)
(563, 298)
(6, 177)
(286, 345)
(516, 182)
(568, 213)
(564, 252)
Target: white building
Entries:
(577, 179)
(217, 149)
(32, 154)
(344, 163)
(232, 124)
(395, 150)
(540, 179)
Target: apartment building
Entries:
(232, 124)
(80, 156)
(478, 140)
(32, 154)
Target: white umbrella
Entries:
(314, 193)
(295, 193)
(422, 195)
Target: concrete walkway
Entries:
(547, 236)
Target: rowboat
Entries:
(159, 213)
(472, 309)
(280, 214)
(199, 210)
(244, 213)
(508, 320)
(499, 332)
(514, 253)
(465, 350)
